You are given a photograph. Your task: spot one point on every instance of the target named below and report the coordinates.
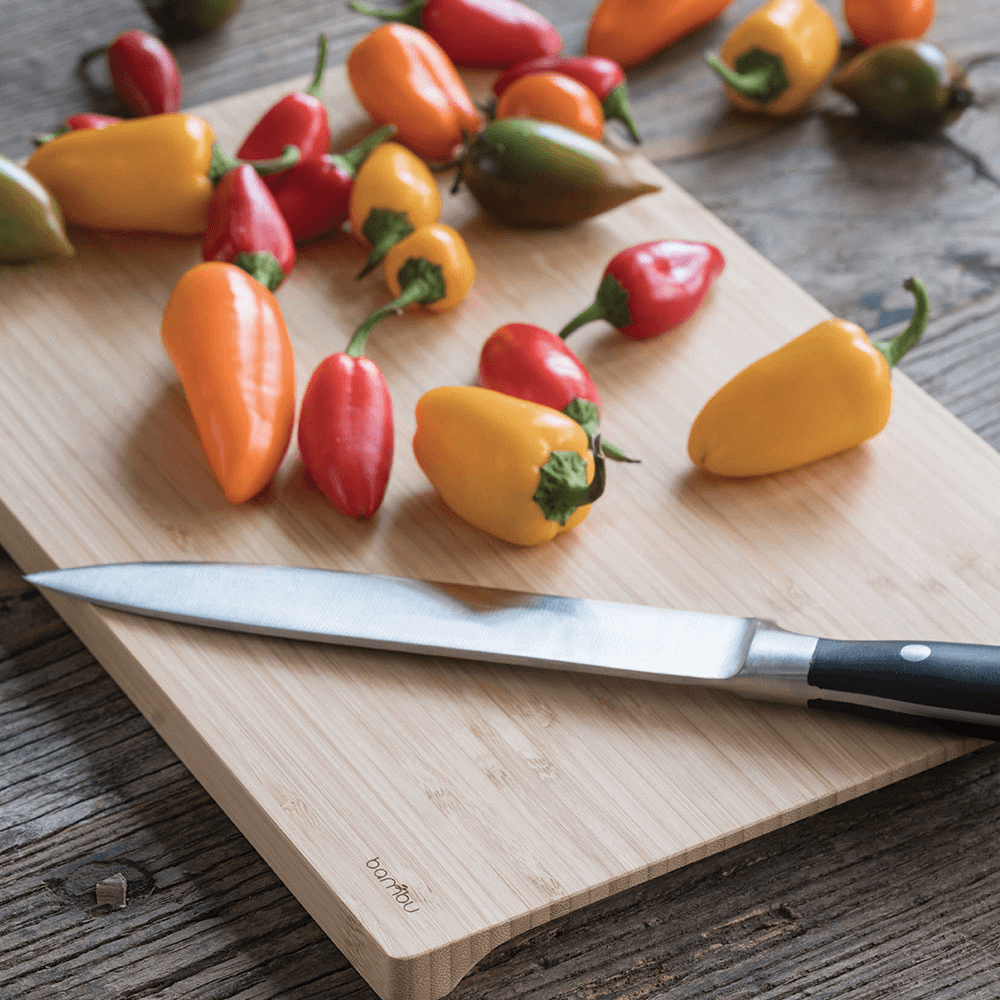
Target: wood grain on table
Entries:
(891, 894)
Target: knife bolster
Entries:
(776, 667)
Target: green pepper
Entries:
(31, 223)
(530, 173)
(908, 87)
(190, 18)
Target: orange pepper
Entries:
(228, 342)
(402, 77)
(874, 21)
(553, 97)
(630, 31)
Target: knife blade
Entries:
(955, 686)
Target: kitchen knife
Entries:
(954, 686)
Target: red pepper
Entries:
(653, 287)
(144, 74)
(602, 76)
(529, 362)
(245, 227)
(346, 435)
(484, 34)
(86, 119)
(298, 119)
(315, 194)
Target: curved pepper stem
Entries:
(356, 155)
(563, 486)
(757, 75)
(420, 280)
(586, 414)
(616, 105)
(611, 304)
(222, 162)
(895, 349)
(315, 88)
(410, 14)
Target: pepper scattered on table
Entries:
(652, 287)
(515, 469)
(393, 193)
(228, 342)
(909, 87)
(604, 77)
(481, 34)
(827, 390)
(875, 21)
(245, 227)
(31, 223)
(86, 119)
(144, 73)
(530, 173)
(776, 59)
(630, 31)
(553, 97)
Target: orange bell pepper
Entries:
(228, 342)
(630, 31)
(402, 77)
(553, 97)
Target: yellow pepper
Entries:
(146, 174)
(512, 468)
(778, 57)
(823, 392)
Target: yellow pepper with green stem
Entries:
(515, 469)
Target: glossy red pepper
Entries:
(144, 74)
(86, 119)
(653, 287)
(245, 227)
(298, 119)
(346, 434)
(602, 76)
(315, 194)
(483, 34)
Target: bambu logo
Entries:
(397, 890)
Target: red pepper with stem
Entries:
(298, 119)
(653, 287)
(529, 362)
(602, 76)
(245, 227)
(480, 34)
(346, 434)
(144, 73)
(314, 196)
(86, 119)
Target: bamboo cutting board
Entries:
(426, 810)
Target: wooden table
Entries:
(891, 894)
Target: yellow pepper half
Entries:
(778, 57)
(146, 174)
(515, 469)
(823, 392)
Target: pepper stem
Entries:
(410, 14)
(262, 265)
(895, 349)
(611, 304)
(616, 106)
(756, 75)
(592, 312)
(563, 486)
(421, 282)
(356, 155)
(383, 229)
(315, 89)
(222, 162)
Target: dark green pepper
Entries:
(31, 223)
(190, 18)
(531, 173)
(908, 87)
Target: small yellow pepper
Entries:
(823, 392)
(778, 57)
(512, 468)
(144, 174)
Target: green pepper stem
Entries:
(593, 312)
(418, 290)
(616, 106)
(757, 75)
(222, 162)
(895, 349)
(315, 89)
(356, 155)
(262, 265)
(410, 14)
(615, 453)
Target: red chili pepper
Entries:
(653, 287)
(529, 362)
(144, 73)
(315, 194)
(298, 119)
(603, 76)
(86, 119)
(346, 435)
(245, 227)
(485, 34)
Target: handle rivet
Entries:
(915, 652)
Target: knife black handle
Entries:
(955, 684)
